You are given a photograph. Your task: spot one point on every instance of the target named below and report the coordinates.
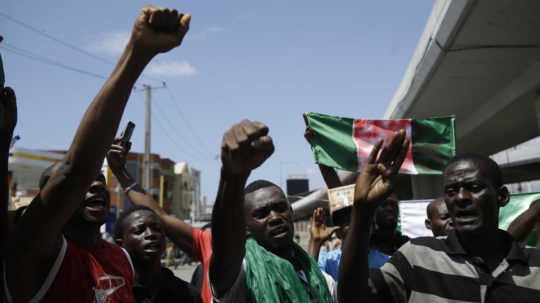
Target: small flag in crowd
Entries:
(345, 143)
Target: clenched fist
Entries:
(245, 147)
(158, 30)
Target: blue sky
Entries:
(259, 60)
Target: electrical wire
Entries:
(193, 132)
(45, 60)
(66, 44)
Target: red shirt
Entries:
(95, 276)
(202, 251)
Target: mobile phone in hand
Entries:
(126, 134)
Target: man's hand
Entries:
(116, 156)
(309, 132)
(245, 147)
(158, 30)
(318, 229)
(375, 182)
(9, 103)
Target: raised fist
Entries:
(158, 30)
(245, 147)
(116, 156)
(9, 104)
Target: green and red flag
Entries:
(345, 143)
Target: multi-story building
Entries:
(186, 202)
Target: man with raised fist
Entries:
(57, 254)
(254, 255)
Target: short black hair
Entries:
(491, 167)
(119, 226)
(258, 184)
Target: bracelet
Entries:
(127, 189)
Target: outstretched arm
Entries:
(180, 233)
(318, 232)
(156, 30)
(373, 185)
(7, 125)
(524, 224)
(244, 147)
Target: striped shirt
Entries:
(436, 270)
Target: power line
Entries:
(193, 132)
(66, 44)
(45, 60)
(159, 109)
(171, 139)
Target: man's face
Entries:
(386, 215)
(143, 236)
(471, 198)
(439, 222)
(269, 218)
(95, 207)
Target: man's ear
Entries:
(427, 223)
(503, 196)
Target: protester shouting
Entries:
(477, 262)
(140, 232)
(41, 265)
(255, 258)
(195, 242)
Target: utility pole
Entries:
(146, 160)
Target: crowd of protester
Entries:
(53, 251)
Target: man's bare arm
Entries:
(373, 185)
(524, 224)
(318, 232)
(38, 235)
(244, 147)
(8, 102)
(180, 233)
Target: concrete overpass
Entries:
(479, 60)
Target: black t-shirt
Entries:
(168, 289)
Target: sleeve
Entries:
(392, 277)
(237, 292)
(323, 258)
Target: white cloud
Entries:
(112, 43)
(171, 69)
(207, 31)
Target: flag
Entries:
(345, 143)
(517, 205)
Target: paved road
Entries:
(184, 272)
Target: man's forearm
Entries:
(314, 248)
(4, 189)
(353, 266)
(524, 224)
(228, 231)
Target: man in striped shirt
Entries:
(476, 262)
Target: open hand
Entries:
(375, 182)
(318, 229)
(117, 155)
(245, 147)
(158, 30)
